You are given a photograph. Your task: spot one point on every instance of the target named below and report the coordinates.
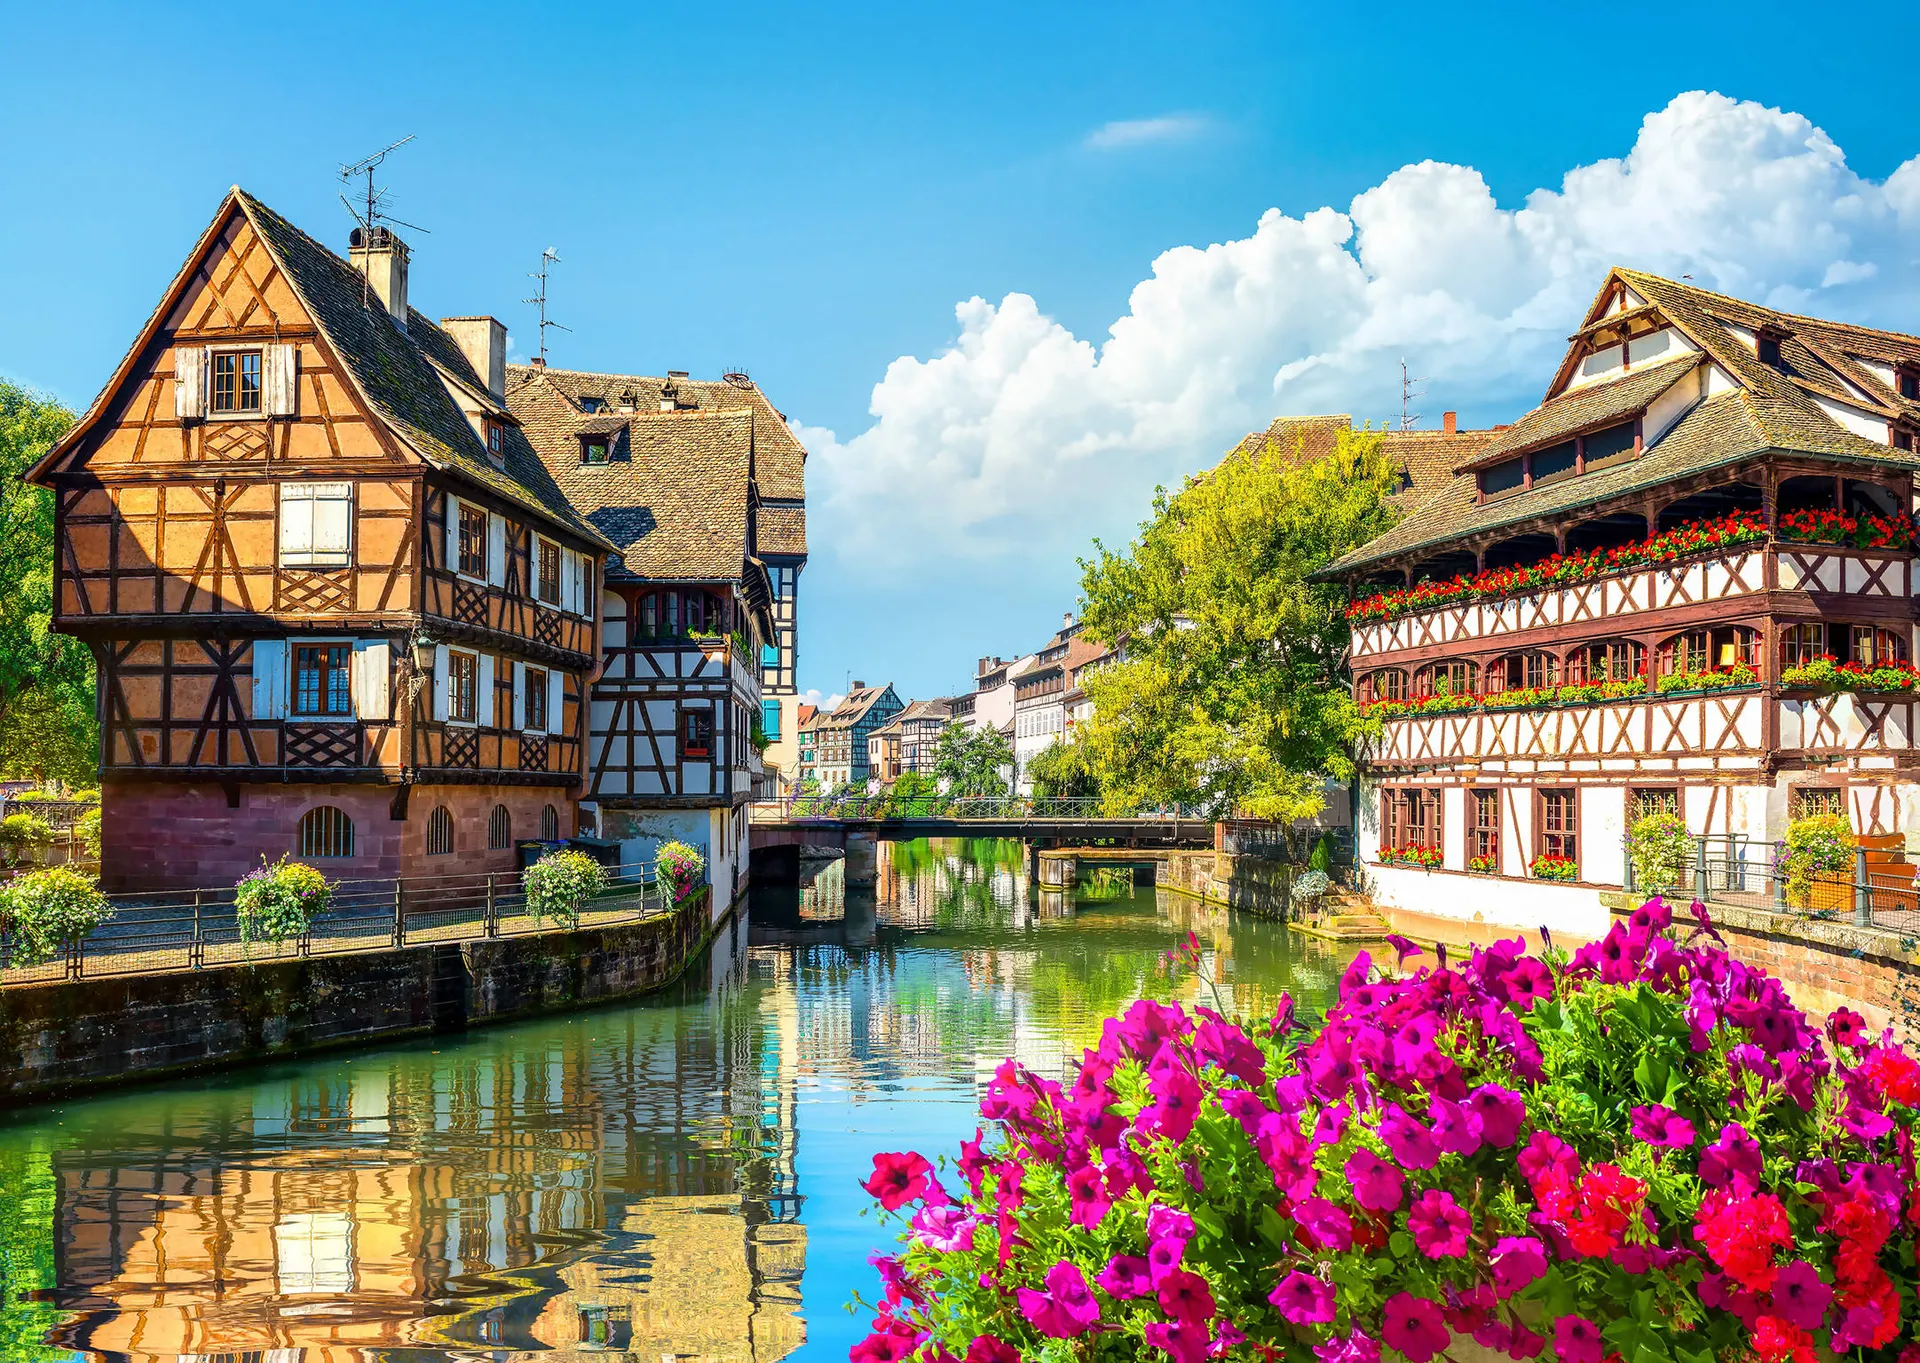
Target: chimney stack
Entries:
(1449, 421)
(383, 260)
(859, 686)
(483, 340)
(1066, 621)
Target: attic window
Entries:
(589, 405)
(496, 439)
(1907, 381)
(1555, 462)
(236, 381)
(1766, 345)
(593, 449)
(1507, 476)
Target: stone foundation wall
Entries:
(85, 1033)
(1255, 884)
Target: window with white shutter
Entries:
(486, 709)
(282, 379)
(556, 693)
(441, 661)
(496, 550)
(316, 524)
(372, 673)
(520, 711)
(190, 382)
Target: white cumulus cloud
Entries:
(1140, 132)
(1020, 439)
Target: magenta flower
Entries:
(1330, 1226)
(1524, 1343)
(1847, 1028)
(1185, 1297)
(1377, 1185)
(1087, 1189)
(898, 1179)
(1518, 1261)
(1416, 1327)
(1548, 1158)
(1067, 1309)
(1456, 1129)
(1799, 1297)
(991, 1349)
(1125, 1277)
(1403, 948)
(1576, 1340)
(1527, 981)
(1303, 1299)
(1409, 1142)
(1357, 1347)
(892, 1340)
(1440, 1225)
(1662, 1126)
(1181, 1342)
(1501, 1111)
(945, 1228)
(1732, 1161)
(1175, 1105)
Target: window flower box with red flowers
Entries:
(1683, 541)
(1518, 698)
(1554, 868)
(1710, 679)
(1826, 675)
(1485, 866)
(1412, 855)
(1836, 527)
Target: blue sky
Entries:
(810, 195)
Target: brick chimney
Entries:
(859, 686)
(1449, 422)
(483, 340)
(383, 260)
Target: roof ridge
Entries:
(1686, 287)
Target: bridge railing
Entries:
(982, 808)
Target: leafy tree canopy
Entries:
(1229, 692)
(1063, 771)
(47, 728)
(973, 761)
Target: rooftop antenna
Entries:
(548, 258)
(1407, 394)
(369, 214)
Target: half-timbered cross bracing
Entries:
(301, 531)
(1673, 406)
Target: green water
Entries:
(677, 1177)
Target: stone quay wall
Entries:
(76, 1034)
(1256, 884)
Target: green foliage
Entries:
(560, 883)
(29, 1197)
(48, 910)
(1061, 771)
(680, 868)
(1661, 849)
(1818, 845)
(47, 727)
(280, 900)
(21, 837)
(913, 796)
(1321, 858)
(972, 761)
(87, 829)
(1230, 692)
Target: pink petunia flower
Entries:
(1377, 1185)
(1799, 1297)
(1067, 1309)
(898, 1179)
(1416, 1327)
(1125, 1277)
(1576, 1340)
(1185, 1296)
(1330, 1226)
(1517, 1261)
(1303, 1299)
(1440, 1225)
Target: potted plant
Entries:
(680, 868)
(1485, 866)
(1548, 867)
(559, 884)
(280, 900)
(1661, 850)
(1819, 863)
(47, 911)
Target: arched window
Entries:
(1518, 671)
(1389, 683)
(1613, 660)
(1458, 678)
(549, 824)
(440, 832)
(499, 829)
(326, 832)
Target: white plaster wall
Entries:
(1863, 424)
(1516, 830)
(720, 836)
(1453, 826)
(1603, 831)
(1670, 406)
(1720, 381)
(1569, 910)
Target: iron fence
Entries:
(194, 929)
(61, 815)
(986, 808)
(1752, 873)
(1282, 842)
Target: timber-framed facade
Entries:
(1715, 472)
(337, 604)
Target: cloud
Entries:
(1020, 440)
(1142, 132)
(812, 696)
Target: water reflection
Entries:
(651, 1181)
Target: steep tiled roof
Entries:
(925, 709)
(781, 529)
(674, 496)
(854, 708)
(395, 371)
(1427, 456)
(1582, 409)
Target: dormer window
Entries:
(1508, 476)
(496, 440)
(590, 405)
(1907, 382)
(1766, 344)
(236, 381)
(593, 449)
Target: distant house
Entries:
(908, 741)
(806, 732)
(841, 739)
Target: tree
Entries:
(1229, 694)
(1062, 771)
(47, 728)
(973, 761)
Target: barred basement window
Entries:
(549, 824)
(326, 832)
(499, 829)
(1809, 801)
(440, 832)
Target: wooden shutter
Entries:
(296, 523)
(332, 523)
(190, 382)
(486, 705)
(569, 580)
(519, 697)
(371, 671)
(440, 666)
(450, 540)
(496, 550)
(556, 691)
(269, 678)
(280, 374)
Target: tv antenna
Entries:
(371, 212)
(548, 258)
(1407, 394)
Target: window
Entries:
(1508, 476)
(769, 655)
(326, 832)
(1483, 826)
(321, 685)
(1559, 824)
(1802, 643)
(316, 520)
(536, 708)
(1555, 462)
(1871, 646)
(496, 439)
(1522, 670)
(1685, 653)
(1809, 801)
(1615, 660)
(1603, 449)
(440, 832)
(1766, 345)
(696, 731)
(236, 381)
(1446, 679)
(770, 720)
(549, 824)
(1409, 818)
(1645, 800)
(549, 576)
(499, 829)
(473, 541)
(1389, 683)
(1908, 383)
(593, 451)
(463, 682)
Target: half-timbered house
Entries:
(1684, 581)
(339, 607)
(840, 738)
(690, 624)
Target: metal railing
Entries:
(1281, 842)
(193, 929)
(995, 808)
(61, 815)
(1736, 869)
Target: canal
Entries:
(674, 1178)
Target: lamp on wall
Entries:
(1728, 655)
(424, 646)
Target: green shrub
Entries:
(280, 901)
(1818, 845)
(21, 835)
(1321, 858)
(48, 910)
(560, 883)
(87, 829)
(1661, 849)
(681, 869)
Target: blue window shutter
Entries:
(770, 718)
(769, 655)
